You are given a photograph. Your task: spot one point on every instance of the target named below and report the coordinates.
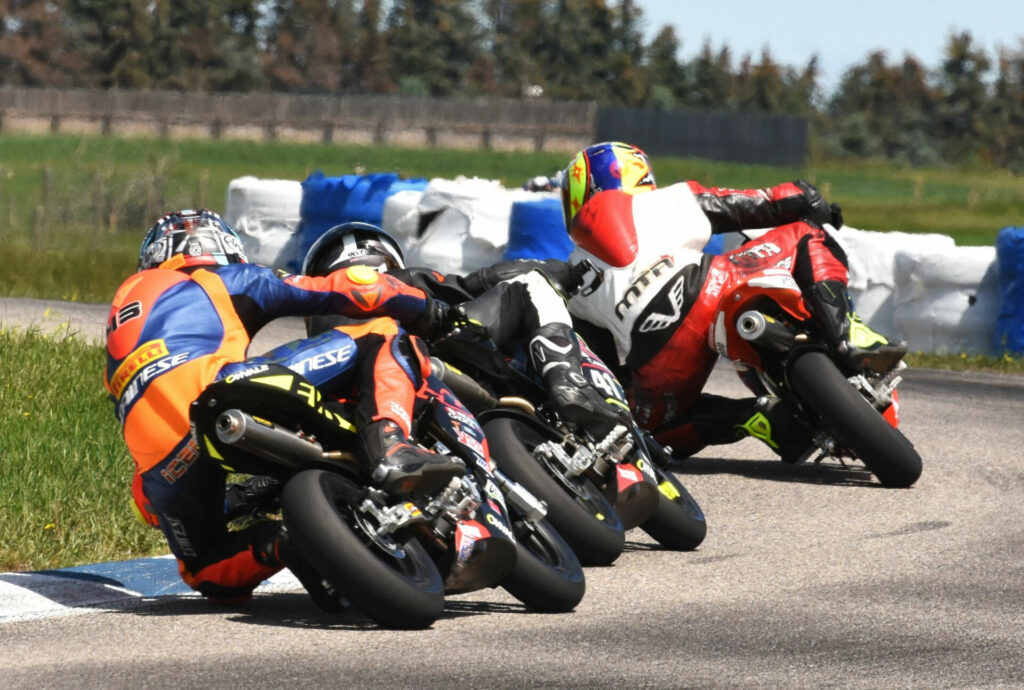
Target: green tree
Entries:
(206, 45)
(711, 83)
(770, 87)
(514, 28)
(1005, 116)
(372, 58)
(589, 50)
(558, 49)
(306, 48)
(759, 87)
(627, 54)
(964, 98)
(880, 110)
(34, 45)
(665, 74)
(802, 93)
(115, 37)
(433, 45)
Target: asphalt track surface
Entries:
(811, 576)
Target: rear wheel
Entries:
(395, 583)
(857, 424)
(547, 576)
(576, 507)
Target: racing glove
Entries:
(441, 318)
(821, 211)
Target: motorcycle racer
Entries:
(657, 291)
(523, 306)
(185, 320)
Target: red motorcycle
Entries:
(765, 329)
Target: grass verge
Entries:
(65, 474)
(1006, 364)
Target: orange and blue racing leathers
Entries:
(170, 333)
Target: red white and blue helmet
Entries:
(190, 238)
(603, 167)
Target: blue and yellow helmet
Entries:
(601, 167)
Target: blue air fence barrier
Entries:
(1009, 332)
(536, 230)
(329, 201)
(716, 245)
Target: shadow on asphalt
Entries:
(279, 610)
(827, 472)
(296, 610)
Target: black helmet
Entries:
(350, 244)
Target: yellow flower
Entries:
(50, 526)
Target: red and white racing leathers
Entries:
(659, 291)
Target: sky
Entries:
(841, 32)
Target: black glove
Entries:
(837, 216)
(821, 211)
(442, 318)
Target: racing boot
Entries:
(258, 493)
(555, 354)
(399, 467)
(857, 346)
(276, 550)
(775, 422)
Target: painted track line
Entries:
(102, 586)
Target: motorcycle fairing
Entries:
(485, 547)
(748, 289)
(633, 490)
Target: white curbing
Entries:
(104, 586)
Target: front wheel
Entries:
(581, 514)
(399, 587)
(678, 522)
(547, 576)
(857, 424)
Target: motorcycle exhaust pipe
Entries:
(266, 440)
(764, 330)
(467, 390)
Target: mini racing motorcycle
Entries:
(391, 558)
(764, 327)
(594, 489)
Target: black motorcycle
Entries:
(595, 489)
(391, 558)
